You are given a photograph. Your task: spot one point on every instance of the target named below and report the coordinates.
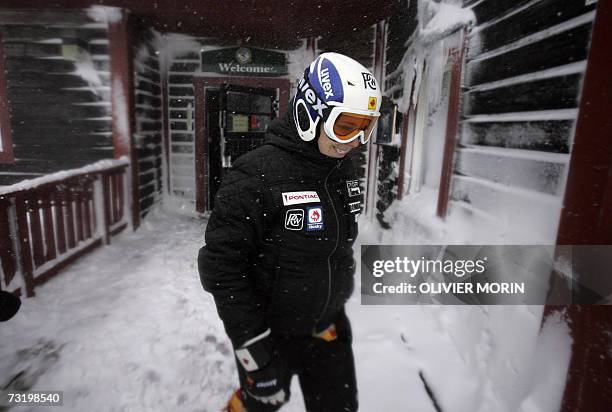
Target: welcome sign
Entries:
(244, 61)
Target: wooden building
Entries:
(172, 94)
(495, 107)
(504, 120)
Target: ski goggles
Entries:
(345, 127)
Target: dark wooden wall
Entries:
(59, 120)
(148, 113)
(523, 77)
(400, 26)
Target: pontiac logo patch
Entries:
(295, 198)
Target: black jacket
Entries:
(265, 262)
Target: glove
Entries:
(329, 334)
(9, 305)
(265, 374)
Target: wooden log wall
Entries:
(148, 113)
(58, 83)
(522, 84)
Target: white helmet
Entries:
(341, 93)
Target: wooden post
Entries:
(7, 251)
(59, 221)
(69, 214)
(27, 267)
(452, 123)
(49, 226)
(122, 92)
(163, 72)
(78, 202)
(407, 118)
(35, 228)
(6, 153)
(120, 200)
(372, 150)
(586, 219)
(201, 150)
(87, 211)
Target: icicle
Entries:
(427, 51)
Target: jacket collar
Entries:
(281, 133)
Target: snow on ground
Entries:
(129, 328)
(475, 358)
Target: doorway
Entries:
(231, 118)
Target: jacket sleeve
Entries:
(233, 237)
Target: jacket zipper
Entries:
(329, 274)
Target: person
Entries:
(278, 257)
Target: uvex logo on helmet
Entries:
(326, 81)
(327, 87)
(311, 97)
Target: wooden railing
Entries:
(47, 223)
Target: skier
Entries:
(278, 257)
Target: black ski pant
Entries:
(325, 370)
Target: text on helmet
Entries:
(326, 83)
(311, 97)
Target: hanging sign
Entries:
(244, 61)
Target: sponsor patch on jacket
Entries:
(315, 218)
(355, 207)
(353, 187)
(294, 219)
(295, 198)
(247, 360)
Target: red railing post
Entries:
(87, 210)
(27, 268)
(48, 224)
(58, 201)
(107, 206)
(7, 251)
(69, 215)
(120, 195)
(450, 140)
(78, 203)
(114, 197)
(37, 239)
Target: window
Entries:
(6, 141)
